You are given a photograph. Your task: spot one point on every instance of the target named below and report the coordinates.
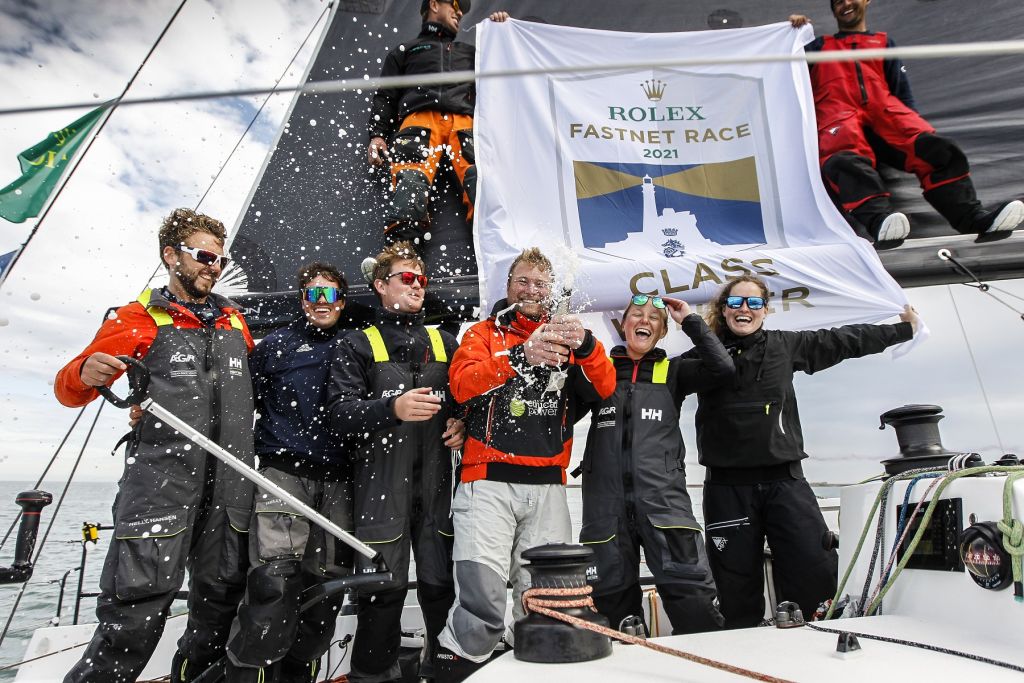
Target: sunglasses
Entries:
(207, 258)
(408, 277)
(329, 294)
(642, 299)
(454, 4)
(753, 302)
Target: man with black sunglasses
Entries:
(389, 385)
(176, 508)
(270, 640)
(429, 120)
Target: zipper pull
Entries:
(767, 408)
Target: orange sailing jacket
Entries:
(130, 331)
(515, 430)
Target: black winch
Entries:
(917, 431)
(558, 572)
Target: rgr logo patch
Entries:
(186, 359)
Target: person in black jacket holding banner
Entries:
(634, 478)
(749, 439)
(426, 121)
(270, 640)
(389, 382)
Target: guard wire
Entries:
(942, 50)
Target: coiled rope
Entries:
(534, 601)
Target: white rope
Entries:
(942, 50)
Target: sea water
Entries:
(61, 556)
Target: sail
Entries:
(318, 198)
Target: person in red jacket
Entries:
(518, 440)
(177, 508)
(861, 103)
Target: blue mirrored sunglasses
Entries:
(753, 302)
(329, 294)
(641, 299)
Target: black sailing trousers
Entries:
(737, 520)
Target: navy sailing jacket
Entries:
(289, 371)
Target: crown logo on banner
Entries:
(670, 232)
(654, 89)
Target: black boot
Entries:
(958, 203)
(451, 668)
(1006, 217)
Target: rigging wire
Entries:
(978, 284)
(977, 373)
(975, 49)
(53, 519)
(113, 104)
(252, 122)
(42, 476)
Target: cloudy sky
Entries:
(97, 247)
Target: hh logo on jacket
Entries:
(650, 414)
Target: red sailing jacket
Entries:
(515, 431)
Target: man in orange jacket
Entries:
(177, 508)
(518, 441)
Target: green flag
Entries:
(41, 167)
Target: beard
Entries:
(189, 284)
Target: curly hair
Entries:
(310, 271)
(183, 223)
(533, 257)
(399, 251)
(714, 317)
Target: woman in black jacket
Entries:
(634, 483)
(749, 439)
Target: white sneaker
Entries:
(1008, 218)
(896, 226)
(366, 267)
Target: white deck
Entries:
(798, 654)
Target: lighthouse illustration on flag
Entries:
(631, 209)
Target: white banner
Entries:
(664, 180)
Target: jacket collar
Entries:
(654, 355)
(397, 319)
(731, 341)
(302, 325)
(510, 318)
(433, 29)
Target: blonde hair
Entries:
(533, 257)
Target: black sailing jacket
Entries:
(433, 51)
(753, 420)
